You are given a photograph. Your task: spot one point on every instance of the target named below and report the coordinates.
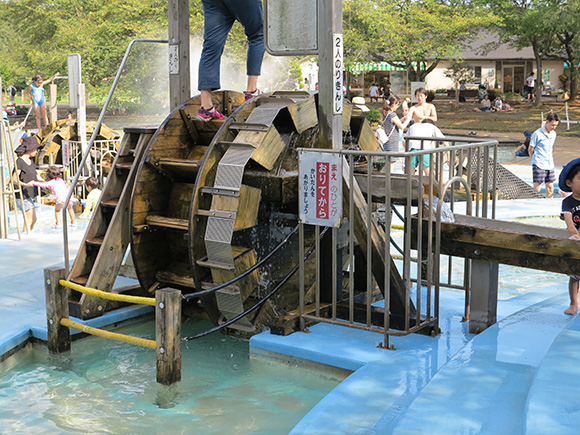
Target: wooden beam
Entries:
(361, 226)
(179, 77)
(168, 335)
(56, 309)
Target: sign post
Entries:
(320, 188)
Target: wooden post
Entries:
(56, 309)
(483, 305)
(52, 106)
(179, 69)
(168, 335)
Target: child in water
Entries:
(57, 186)
(569, 181)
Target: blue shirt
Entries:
(543, 143)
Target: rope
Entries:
(242, 275)
(261, 302)
(108, 334)
(108, 295)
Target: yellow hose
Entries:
(107, 334)
(108, 295)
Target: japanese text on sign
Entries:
(320, 188)
(337, 73)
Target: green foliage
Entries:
(373, 115)
(414, 35)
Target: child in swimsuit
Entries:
(36, 94)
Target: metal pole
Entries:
(331, 66)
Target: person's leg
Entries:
(44, 114)
(573, 290)
(249, 13)
(549, 190)
(57, 210)
(37, 114)
(218, 22)
(30, 218)
(71, 213)
(538, 176)
(537, 186)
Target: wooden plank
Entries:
(269, 149)
(398, 188)
(361, 226)
(244, 258)
(367, 140)
(346, 115)
(173, 278)
(512, 243)
(245, 206)
(165, 222)
(304, 114)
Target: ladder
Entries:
(107, 237)
(7, 188)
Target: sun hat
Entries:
(360, 103)
(527, 133)
(28, 143)
(565, 170)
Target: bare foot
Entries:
(571, 310)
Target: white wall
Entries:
(437, 79)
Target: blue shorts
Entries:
(415, 159)
(28, 204)
(522, 153)
(543, 175)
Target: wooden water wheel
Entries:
(211, 198)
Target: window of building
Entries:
(477, 75)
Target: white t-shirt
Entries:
(373, 91)
(423, 129)
(531, 81)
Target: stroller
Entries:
(481, 91)
(10, 109)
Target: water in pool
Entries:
(104, 386)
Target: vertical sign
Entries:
(337, 73)
(174, 59)
(65, 152)
(320, 177)
(74, 78)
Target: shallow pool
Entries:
(104, 386)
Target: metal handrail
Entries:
(92, 140)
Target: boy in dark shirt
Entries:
(569, 181)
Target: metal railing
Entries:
(103, 153)
(443, 181)
(94, 135)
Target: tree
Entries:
(414, 35)
(568, 33)
(526, 24)
(460, 72)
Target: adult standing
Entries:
(531, 84)
(541, 149)
(11, 91)
(25, 171)
(374, 93)
(219, 17)
(36, 94)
